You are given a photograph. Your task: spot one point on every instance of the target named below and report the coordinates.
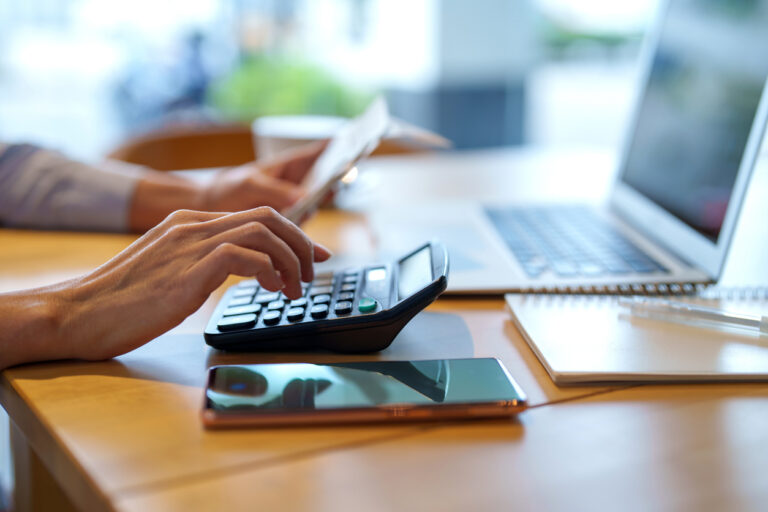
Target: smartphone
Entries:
(356, 139)
(353, 142)
(370, 391)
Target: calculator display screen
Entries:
(414, 273)
(270, 387)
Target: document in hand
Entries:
(354, 141)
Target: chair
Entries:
(198, 146)
(189, 147)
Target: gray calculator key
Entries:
(229, 323)
(346, 296)
(276, 305)
(242, 310)
(299, 303)
(295, 314)
(239, 301)
(272, 317)
(248, 283)
(264, 298)
(348, 287)
(319, 311)
(322, 282)
(322, 299)
(343, 308)
(350, 279)
(248, 291)
(320, 290)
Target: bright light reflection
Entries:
(351, 176)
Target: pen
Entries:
(681, 312)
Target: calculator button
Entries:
(322, 299)
(350, 279)
(319, 311)
(249, 291)
(352, 272)
(367, 305)
(322, 282)
(299, 303)
(248, 283)
(271, 317)
(276, 305)
(343, 308)
(264, 298)
(239, 301)
(295, 314)
(242, 310)
(320, 290)
(324, 276)
(348, 287)
(346, 296)
(236, 322)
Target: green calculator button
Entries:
(367, 305)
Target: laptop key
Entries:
(565, 269)
(590, 269)
(534, 270)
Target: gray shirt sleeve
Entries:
(43, 189)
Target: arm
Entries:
(160, 279)
(273, 183)
(44, 189)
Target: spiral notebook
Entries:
(592, 339)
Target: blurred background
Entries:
(82, 75)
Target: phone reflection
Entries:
(309, 386)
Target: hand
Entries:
(156, 283)
(274, 183)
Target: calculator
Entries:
(357, 309)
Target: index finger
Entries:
(301, 245)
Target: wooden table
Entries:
(125, 434)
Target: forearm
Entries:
(44, 189)
(157, 195)
(32, 327)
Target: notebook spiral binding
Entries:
(704, 291)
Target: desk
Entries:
(125, 434)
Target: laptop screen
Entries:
(704, 87)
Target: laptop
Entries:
(692, 144)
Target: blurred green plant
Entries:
(559, 39)
(262, 86)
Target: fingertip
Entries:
(271, 283)
(294, 291)
(321, 253)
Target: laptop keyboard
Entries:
(571, 241)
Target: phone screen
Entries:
(263, 387)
